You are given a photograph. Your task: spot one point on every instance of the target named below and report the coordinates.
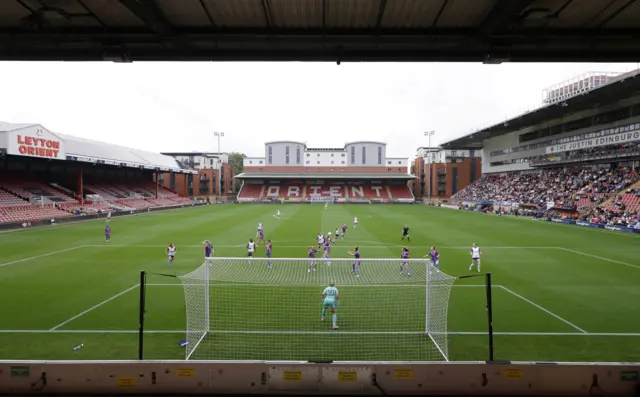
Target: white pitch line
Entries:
(545, 310)
(399, 285)
(599, 257)
(40, 256)
(111, 331)
(93, 307)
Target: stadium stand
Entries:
(35, 184)
(293, 172)
(585, 170)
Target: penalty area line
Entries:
(93, 307)
(276, 332)
(41, 256)
(564, 320)
(598, 257)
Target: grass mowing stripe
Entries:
(545, 310)
(94, 307)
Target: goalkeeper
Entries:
(330, 297)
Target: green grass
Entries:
(560, 293)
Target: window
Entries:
(364, 155)
(318, 155)
(343, 155)
(270, 154)
(331, 154)
(286, 149)
(318, 162)
(331, 161)
(389, 162)
(250, 162)
(260, 162)
(353, 154)
(308, 162)
(308, 154)
(298, 155)
(379, 155)
(400, 162)
(342, 162)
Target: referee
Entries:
(405, 233)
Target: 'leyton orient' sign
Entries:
(38, 147)
(623, 137)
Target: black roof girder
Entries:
(501, 15)
(267, 54)
(149, 13)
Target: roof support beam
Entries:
(266, 10)
(150, 14)
(502, 14)
(383, 7)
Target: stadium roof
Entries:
(321, 30)
(625, 87)
(324, 175)
(17, 138)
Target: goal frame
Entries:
(207, 279)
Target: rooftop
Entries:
(489, 31)
(324, 175)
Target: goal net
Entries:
(240, 309)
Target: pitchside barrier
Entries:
(80, 218)
(461, 378)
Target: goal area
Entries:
(240, 309)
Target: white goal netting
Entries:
(240, 309)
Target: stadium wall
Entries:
(353, 378)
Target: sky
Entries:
(168, 107)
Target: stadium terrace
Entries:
(575, 160)
(50, 176)
(359, 172)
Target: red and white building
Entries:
(359, 171)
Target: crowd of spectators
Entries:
(595, 195)
(539, 188)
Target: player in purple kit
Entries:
(312, 259)
(269, 249)
(404, 255)
(327, 249)
(107, 233)
(434, 258)
(260, 237)
(344, 231)
(356, 264)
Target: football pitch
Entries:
(560, 293)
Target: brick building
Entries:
(451, 171)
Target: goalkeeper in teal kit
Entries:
(330, 297)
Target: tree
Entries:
(236, 162)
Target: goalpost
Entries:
(238, 309)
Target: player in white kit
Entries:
(251, 247)
(108, 216)
(278, 214)
(475, 256)
(320, 239)
(260, 226)
(171, 253)
(329, 236)
(355, 222)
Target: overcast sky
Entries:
(176, 106)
